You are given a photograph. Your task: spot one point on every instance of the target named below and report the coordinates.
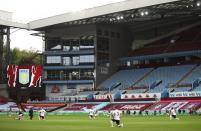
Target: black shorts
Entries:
(174, 116)
(116, 121)
(91, 116)
(42, 117)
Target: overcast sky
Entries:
(28, 10)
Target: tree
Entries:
(21, 57)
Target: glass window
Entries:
(135, 62)
(66, 48)
(51, 75)
(75, 48)
(76, 60)
(75, 75)
(128, 63)
(66, 75)
(86, 44)
(53, 59)
(86, 47)
(87, 74)
(66, 61)
(87, 59)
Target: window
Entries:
(128, 63)
(75, 60)
(66, 61)
(67, 75)
(53, 75)
(87, 44)
(135, 62)
(66, 48)
(87, 74)
(86, 47)
(87, 59)
(75, 75)
(75, 48)
(53, 59)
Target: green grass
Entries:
(82, 123)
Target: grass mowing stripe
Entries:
(82, 123)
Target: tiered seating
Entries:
(180, 89)
(127, 106)
(102, 92)
(37, 107)
(189, 35)
(125, 77)
(148, 50)
(168, 75)
(158, 106)
(79, 107)
(166, 48)
(179, 47)
(135, 91)
(191, 105)
(178, 105)
(197, 88)
(196, 74)
(86, 93)
(10, 106)
(185, 41)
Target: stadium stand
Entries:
(184, 41)
(127, 106)
(197, 88)
(79, 107)
(37, 107)
(169, 64)
(9, 106)
(181, 104)
(168, 75)
(195, 75)
(156, 81)
(125, 77)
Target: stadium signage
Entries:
(66, 98)
(103, 97)
(132, 107)
(98, 97)
(141, 95)
(24, 76)
(185, 94)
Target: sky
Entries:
(28, 10)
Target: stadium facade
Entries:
(85, 50)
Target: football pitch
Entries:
(101, 123)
